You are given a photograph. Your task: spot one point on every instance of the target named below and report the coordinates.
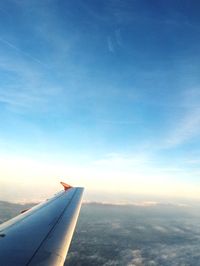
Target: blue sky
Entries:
(105, 92)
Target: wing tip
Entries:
(66, 186)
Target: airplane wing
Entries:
(42, 235)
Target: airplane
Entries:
(41, 235)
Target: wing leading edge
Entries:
(41, 235)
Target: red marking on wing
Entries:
(24, 210)
(66, 186)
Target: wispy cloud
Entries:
(186, 129)
(110, 44)
(114, 41)
(118, 122)
(120, 160)
(186, 125)
(26, 87)
(118, 37)
(12, 46)
(20, 99)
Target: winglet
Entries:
(66, 186)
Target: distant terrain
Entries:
(164, 235)
(9, 210)
(161, 234)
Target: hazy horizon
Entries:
(107, 198)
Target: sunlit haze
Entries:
(101, 94)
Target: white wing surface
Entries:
(42, 235)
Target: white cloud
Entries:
(137, 259)
(160, 229)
